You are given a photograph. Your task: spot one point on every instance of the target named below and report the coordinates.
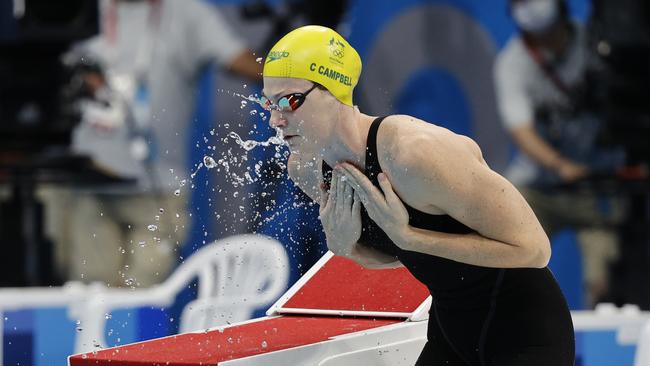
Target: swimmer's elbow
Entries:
(541, 255)
(377, 265)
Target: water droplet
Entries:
(243, 104)
(152, 227)
(249, 145)
(177, 192)
(209, 162)
(142, 243)
(253, 112)
(264, 344)
(107, 316)
(161, 210)
(258, 60)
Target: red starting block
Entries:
(339, 313)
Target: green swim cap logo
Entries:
(276, 55)
(337, 48)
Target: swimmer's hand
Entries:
(384, 207)
(340, 214)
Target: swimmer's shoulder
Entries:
(407, 142)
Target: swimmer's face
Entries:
(306, 127)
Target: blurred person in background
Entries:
(148, 56)
(540, 78)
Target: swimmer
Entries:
(398, 191)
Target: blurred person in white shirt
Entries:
(137, 126)
(540, 85)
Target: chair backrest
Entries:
(236, 275)
(239, 275)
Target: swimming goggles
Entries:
(287, 103)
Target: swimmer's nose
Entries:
(277, 120)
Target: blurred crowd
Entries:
(140, 74)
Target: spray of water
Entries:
(249, 145)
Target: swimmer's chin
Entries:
(291, 140)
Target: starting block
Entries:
(338, 313)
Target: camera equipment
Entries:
(38, 92)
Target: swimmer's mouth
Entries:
(289, 137)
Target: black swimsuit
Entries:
(479, 316)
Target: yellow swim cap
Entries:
(318, 54)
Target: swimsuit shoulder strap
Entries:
(372, 162)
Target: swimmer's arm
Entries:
(453, 178)
(372, 259)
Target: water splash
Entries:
(249, 145)
(232, 163)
